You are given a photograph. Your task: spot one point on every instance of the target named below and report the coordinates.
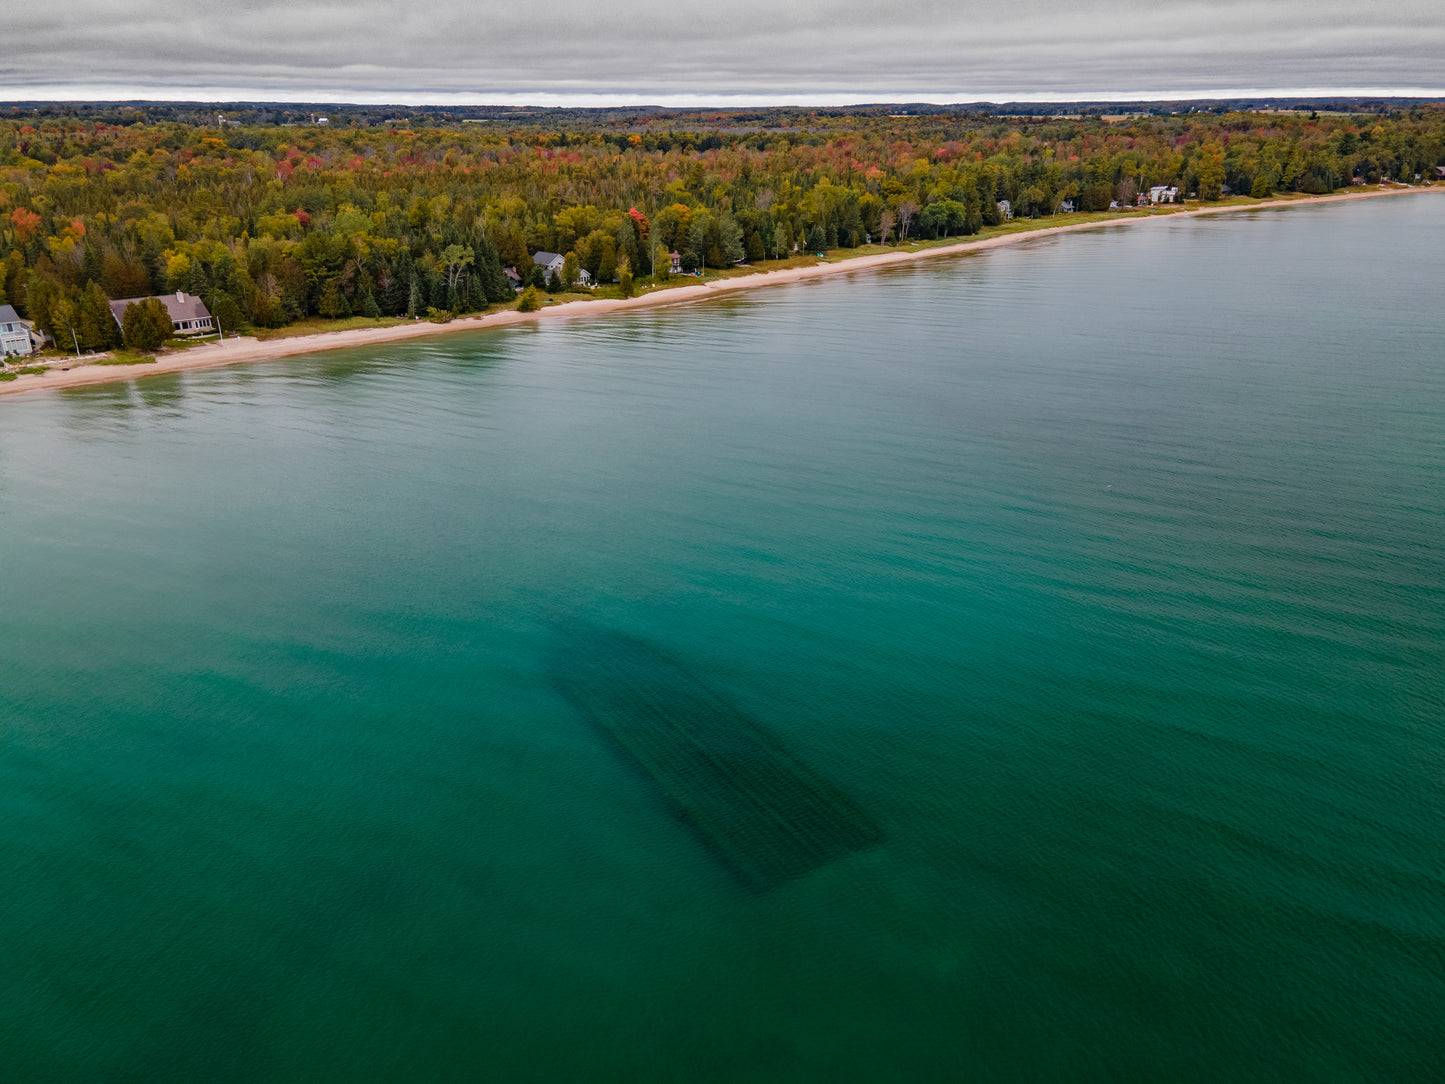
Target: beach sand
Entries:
(234, 351)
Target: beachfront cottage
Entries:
(1164, 193)
(674, 263)
(17, 337)
(188, 315)
(512, 277)
(1005, 209)
(550, 263)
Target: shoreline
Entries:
(210, 354)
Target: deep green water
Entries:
(1105, 576)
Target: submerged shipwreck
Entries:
(759, 810)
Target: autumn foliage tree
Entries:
(379, 217)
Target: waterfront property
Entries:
(189, 315)
(17, 336)
(553, 264)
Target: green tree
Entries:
(624, 277)
(145, 325)
(332, 303)
(226, 312)
(94, 320)
(571, 268)
(41, 294)
(730, 239)
(455, 260)
(530, 301)
(65, 324)
(1211, 172)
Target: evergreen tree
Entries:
(495, 284)
(145, 325)
(95, 323)
(226, 312)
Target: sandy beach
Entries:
(235, 351)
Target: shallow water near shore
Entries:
(1101, 576)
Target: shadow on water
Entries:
(749, 801)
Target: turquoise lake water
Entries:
(1096, 584)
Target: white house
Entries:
(1162, 193)
(17, 337)
(188, 315)
(1005, 208)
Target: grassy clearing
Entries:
(126, 357)
(320, 326)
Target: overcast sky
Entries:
(674, 52)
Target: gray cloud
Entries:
(738, 50)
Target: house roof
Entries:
(545, 258)
(180, 306)
(8, 315)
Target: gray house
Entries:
(17, 337)
(188, 315)
(549, 262)
(552, 263)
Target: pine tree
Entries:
(94, 320)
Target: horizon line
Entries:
(610, 100)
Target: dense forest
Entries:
(272, 222)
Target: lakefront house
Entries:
(552, 263)
(189, 316)
(17, 337)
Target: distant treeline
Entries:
(271, 224)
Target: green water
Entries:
(1104, 576)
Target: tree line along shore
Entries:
(278, 226)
